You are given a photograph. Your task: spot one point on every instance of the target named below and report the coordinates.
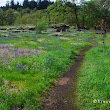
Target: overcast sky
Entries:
(3, 2)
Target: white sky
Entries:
(3, 2)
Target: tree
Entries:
(12, 4)
(10, 16)
(33, 4)
(17, 5)
(103, 3)
(90, 13)
(43, 4)
(2, 17)
(25, 4)
(42, 24)
(104, 6)
(75, 8)
(7, 5)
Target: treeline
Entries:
(86, 15)
(40, 4)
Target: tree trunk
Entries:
(83, 22)
(76, 16)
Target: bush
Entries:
(41, 25)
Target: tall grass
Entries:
(23, 79)
(94, 84)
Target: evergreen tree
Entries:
(33, 4)
(25, 4)
(7, 5)
(17, 5)
(12, 4)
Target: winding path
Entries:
(62, 96)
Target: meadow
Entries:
(44, 42)
(31, 63)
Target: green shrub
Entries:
(41, 25)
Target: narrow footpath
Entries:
(62, 96)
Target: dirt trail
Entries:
(62, 96)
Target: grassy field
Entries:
(94, 78)
(30, 63)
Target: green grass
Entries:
(93, 89)
(24, 79)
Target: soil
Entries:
(62, 96)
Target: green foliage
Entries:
(10, 16)
(42, 24)
(73, 55)
(57, 14)
(2, 17)
(86, 15)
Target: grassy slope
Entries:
(94, 82)
(22, 87)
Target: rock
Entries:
(61, 28)
(32, 28)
